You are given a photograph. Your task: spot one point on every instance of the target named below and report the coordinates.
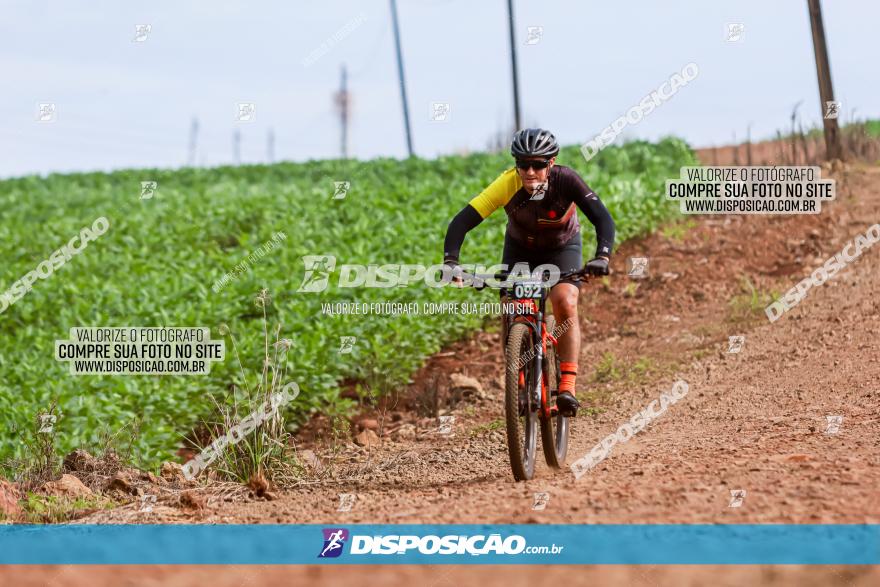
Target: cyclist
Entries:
(539, 198)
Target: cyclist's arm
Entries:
(463, 223)
(596, 212)
(495, 196)
(598, 215)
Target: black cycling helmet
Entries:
(534, 142)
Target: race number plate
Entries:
(527, 290)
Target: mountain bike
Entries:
(532, 376)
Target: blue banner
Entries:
(561, 544)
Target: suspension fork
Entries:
(539, 390)
(546, 338)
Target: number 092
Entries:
(523, 291)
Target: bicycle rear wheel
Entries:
(554, 430)
(521, 417)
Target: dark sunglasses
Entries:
(541, 164)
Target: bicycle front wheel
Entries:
(521, 416)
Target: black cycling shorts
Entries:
(568, 257)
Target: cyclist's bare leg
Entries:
(564, 300)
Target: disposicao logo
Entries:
(403, 544)
(334, 540)
(319, 268)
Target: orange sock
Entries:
(568, 370)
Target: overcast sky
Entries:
(120, 103)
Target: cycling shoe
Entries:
(567, 404)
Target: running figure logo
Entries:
(539, 192)
(148, 189)
(346, 501)
(318, 269)
(439, 111)
(834, 423)
(46, 112)
(148, 500)
(47, 421)
(735, 343)
(446, 423)
(347, 344)
(334, 540)
(340, 189)
(735, 31)
(736, 498)
(637, 266)
(541, 500)
(140, 32)
(245, 112)
(832, 109)
(534, 34)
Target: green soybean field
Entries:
(184, 256)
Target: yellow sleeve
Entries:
(498, 193)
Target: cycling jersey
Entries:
(535, 222)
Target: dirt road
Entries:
(754, 420)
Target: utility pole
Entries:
(400, 77)
(343, 102)
(193, 141)
(516, 111)
(270, 146)
(833, 149)
(236, 146)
